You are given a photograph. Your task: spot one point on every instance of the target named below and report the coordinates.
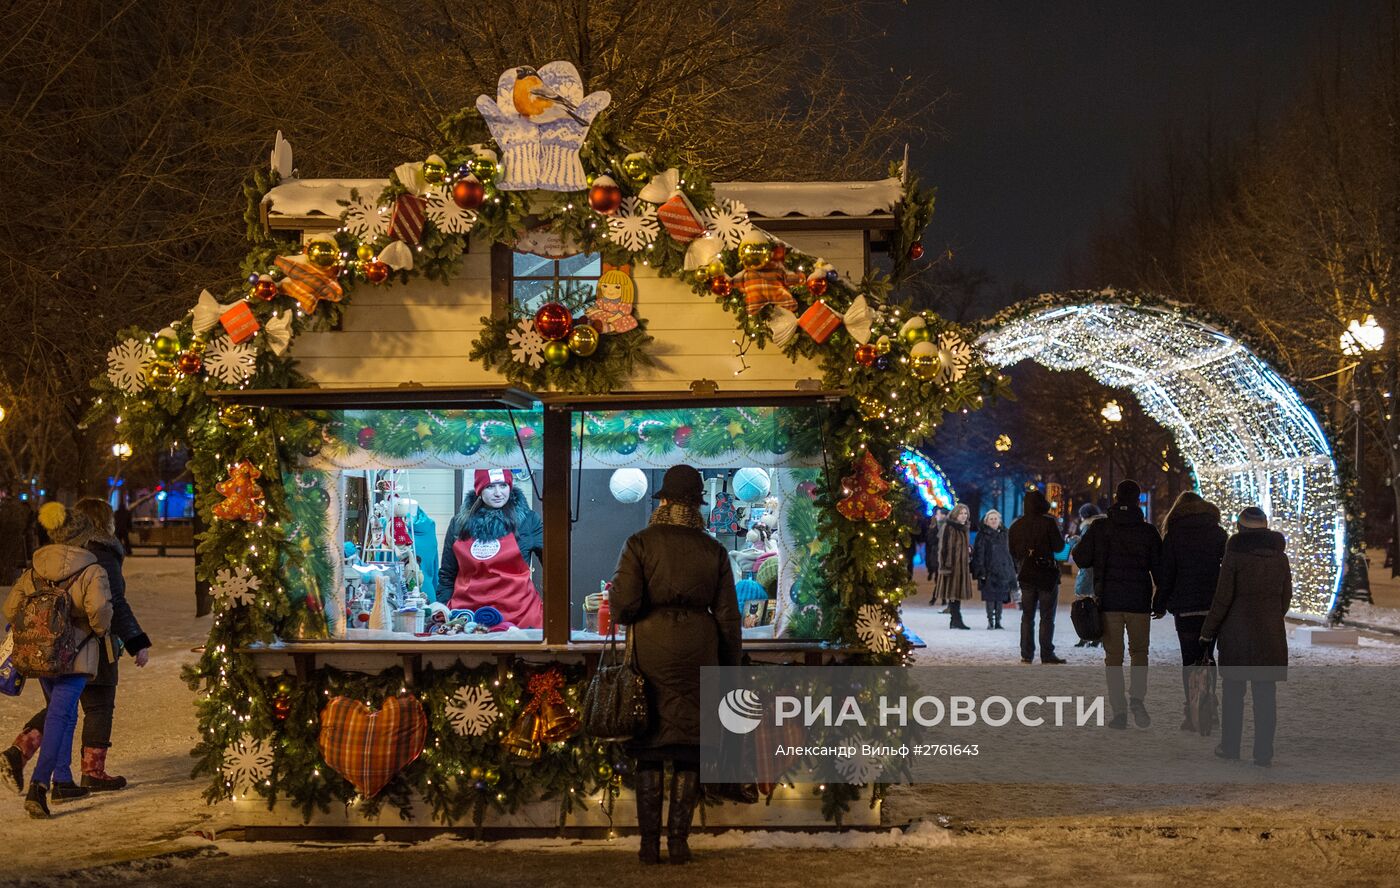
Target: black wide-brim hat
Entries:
(682, 484)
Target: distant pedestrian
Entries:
(1034, 539)
(1125, 553)
(954, 583)
(71, 567)
(992, 566)
(1084, 580)
(1192, 548)
(1253, 595)
(122, 519)
(14, 530)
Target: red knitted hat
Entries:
(485, 477)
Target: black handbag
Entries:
(1087, 619)
(615, 706)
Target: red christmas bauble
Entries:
(376, 272)
(365, 437)
(779, 253)
(916, 250)
(281, 707)
(682, 435)
(605, 197)
(468, 193)
(190, 363)
(720, 285)
(817, 286)
(265, 289)
(867, 355)
(553, 321)
(527, 434)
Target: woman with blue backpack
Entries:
(59, 612)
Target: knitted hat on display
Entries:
(1253, 517)
(486, 477)
(67, 526)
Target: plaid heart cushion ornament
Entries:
(307, 284)
(368, 748)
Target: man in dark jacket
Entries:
(1191, 551)
(1125, 553)
(1034, 539)
(1253, 596)
(674, 590)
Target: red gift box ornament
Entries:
(307, 284)
(820, 321)
(239, 322)
(675, 210)
(406, 220)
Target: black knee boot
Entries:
(649, 781)
(955, 608)
(685, 790)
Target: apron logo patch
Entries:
(485, 550)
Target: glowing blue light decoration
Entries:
(1246, 435)
(928, 482)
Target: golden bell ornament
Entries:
(557, 722)
(755, 254)
(584, 340)
(364, 252)
(522, 740)
(556, 353)
(322, 253)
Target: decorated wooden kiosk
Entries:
(539, 323)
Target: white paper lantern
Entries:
(751, 485)
(628, 485)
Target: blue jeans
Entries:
(56, 754)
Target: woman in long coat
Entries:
(954, 583)
(1246, 621)
(1192, 547)
(674, 589)
(993, 567)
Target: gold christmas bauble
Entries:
(235, 415)
(715, 268)
(924, 366)
(755, 254)
(915, 330)
(322, 253)
(434, 170)
(167, 343)
(883, 345)
(484, 168)
(584, 340)
(636, 166)
(364, 252)
(556, 353)
(160, 374)
(476, 773)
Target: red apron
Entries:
(492, 572)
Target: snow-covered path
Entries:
(1014, 834)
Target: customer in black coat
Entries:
(674, 590)
(1034, 539)
(1252, 597)
(99, 697)
(1125, 553)
(1191, 551)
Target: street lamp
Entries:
(121, 450)
(1363, 336)
(1003, 443)
(1112, 413)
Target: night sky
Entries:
(1053, 106)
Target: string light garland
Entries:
(1245, 433)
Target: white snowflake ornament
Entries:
(472, 711)
(634, 226)
(247, 763)
(859, 769)
(447, 216)
(126, 366)
(526, 344)
(728, 221)
(954, 357)
(871, 629)
(229, 361)
(237, 586)
(364, 219)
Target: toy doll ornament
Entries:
(612, 310)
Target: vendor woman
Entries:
(486, 555)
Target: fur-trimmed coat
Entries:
(954, 581)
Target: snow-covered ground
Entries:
(156, 832)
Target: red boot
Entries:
(95, 776)
(13, 760)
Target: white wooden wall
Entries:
(423, 331)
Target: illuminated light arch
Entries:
(1244, 432)
(928, 481)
